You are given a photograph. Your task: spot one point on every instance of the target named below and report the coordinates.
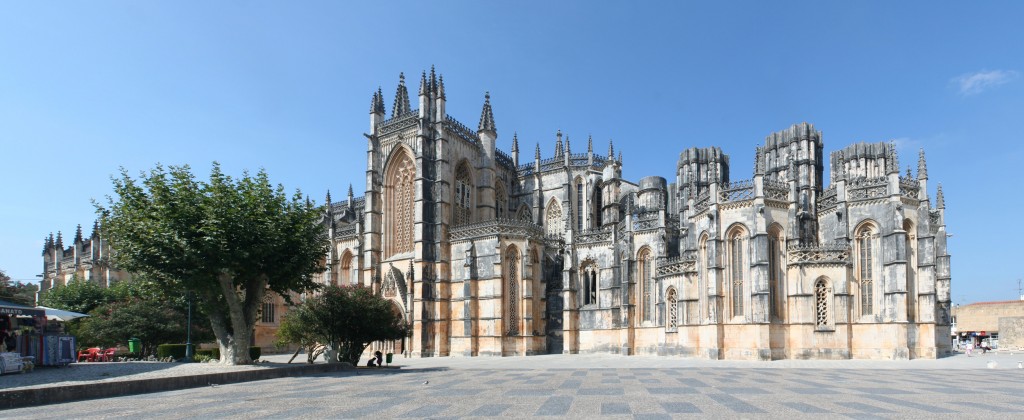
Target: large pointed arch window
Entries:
(736, 240)
(512, 291)
(776, 272)
(346, 269)
(399, 194)
(865, 244)
(500, 200)
(647, 292)
(463, 195)
(588, 277)
(597, 219)
(822, 304)
(553, 220)
(579, 204)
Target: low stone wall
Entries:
(55, 395)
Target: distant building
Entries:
(985, 321)
(485, 253)
(86, 259)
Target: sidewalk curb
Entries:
(54, 395)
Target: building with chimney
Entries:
(492, 253)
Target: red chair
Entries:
(108, 354)
(90, 355)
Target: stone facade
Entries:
(485, 253)
(1004, 319)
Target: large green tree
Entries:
(77, 295)
(229, 241)
(16, 291)
(345, 319)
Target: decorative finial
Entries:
(590, 144)
(940, 200)
(611, 150)
(328, 199)
(515, 141)
(401, 106)
(60, 241)
(537, 152)
(558, 143)
(487, 116)
(423, 83)
(350, 191)
(440, 90)
(922, 167)
(78, 234)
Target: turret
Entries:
(439, 100)
(515, 149)
(486, 131)
(590, 150)
(376, 110)
(922, 177)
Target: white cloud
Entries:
(974, 83)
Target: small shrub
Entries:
(254, 353)
(174, 351)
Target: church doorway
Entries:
(391, 346)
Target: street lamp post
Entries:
(188, 329)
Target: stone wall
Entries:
(1011, 332)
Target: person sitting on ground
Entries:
(369, 363)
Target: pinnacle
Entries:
(401, 106)
(590, 144)
(515, 141)
(328, 199)
(940, 200)
(537, 152)
(440, 86)
(487, 116)
(611, 150)
(922, 167)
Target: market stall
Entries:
(30, 336)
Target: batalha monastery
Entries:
(493, 253)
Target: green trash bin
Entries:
(388, 358)
(134, 345)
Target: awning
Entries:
(11, 308)
(60, 314)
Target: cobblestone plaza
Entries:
(596, 386)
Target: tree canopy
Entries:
(227, 240)
(346, 319)
(77, 295)
(16, 291)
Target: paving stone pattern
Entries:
(441, 392)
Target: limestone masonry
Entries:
(486, 253)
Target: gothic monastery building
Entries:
(493, 253)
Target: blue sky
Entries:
(87, 87)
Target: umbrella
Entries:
(59, 314)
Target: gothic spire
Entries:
(95, 229)
(78, 234)
(401, 106)
(536, 154)
(940, 200)
(440, 86)
(590, 144)
(515, 141)
(350, 197)
(568, 150)
(423, 83)
(328, 199)
(558, 143)
(433, 80)
(922, 167)
(486, 116)
(373, 103)
(60, 241)
(611, 150)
